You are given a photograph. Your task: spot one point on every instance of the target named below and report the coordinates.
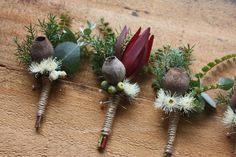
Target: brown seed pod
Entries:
(176, 81)
(113, 70)
(41, 49)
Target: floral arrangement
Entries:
(117, 60)
(50, 57)
(229, 119)
(179, 92)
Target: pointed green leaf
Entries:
(69, 53)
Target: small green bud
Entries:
(111, 90)
(104, 85)
(120, 86)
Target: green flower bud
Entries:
(104, 85)
(111, 90)
(120, 86)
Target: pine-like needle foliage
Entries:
(103, 46)
(23, 48)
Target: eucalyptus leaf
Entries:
(69, 53)
(225, 83)
(208, 100)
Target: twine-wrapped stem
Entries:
(107, 126)
(46, 88)
(173, 125)
(232, 135)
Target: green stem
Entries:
(199, 90)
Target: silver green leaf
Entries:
(225, 83)
(69, 53)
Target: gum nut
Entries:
(120, 86)
(113, 70)
(176, 80)
(111, 90)
(41, 49)
(104, 85)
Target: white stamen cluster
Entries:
(48, 66)
(131, 90)
(170, 103)
(229, 117)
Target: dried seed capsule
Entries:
(176, 80)
(41, 49)
(113, 70)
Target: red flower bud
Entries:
(137, 51)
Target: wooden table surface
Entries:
(74, 118)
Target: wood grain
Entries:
(74, 118)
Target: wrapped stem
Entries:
(232, 135)
(107, 126)
(173, 125)
(46, 88)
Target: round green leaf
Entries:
(69, 53)
(225, 83)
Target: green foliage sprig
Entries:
(57, 30)
(98, 47)
(23, 48)
(161, 60)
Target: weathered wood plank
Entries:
(74, 119)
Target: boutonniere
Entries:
(229, 119)
(116, 60)
(49, 57)
(179, 92)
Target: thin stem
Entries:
(173, 125)
(46, 88)
(107, 126)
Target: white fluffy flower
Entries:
(165, 101)
(186, 103)
(170, 103)
(46, 65)
(35, 68)
(131, 90)
(229, 117)
(50, 64)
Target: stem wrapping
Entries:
(173, 125)
(107, 126)
(43, 99)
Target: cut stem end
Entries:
(38, 122)
(102, 142)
